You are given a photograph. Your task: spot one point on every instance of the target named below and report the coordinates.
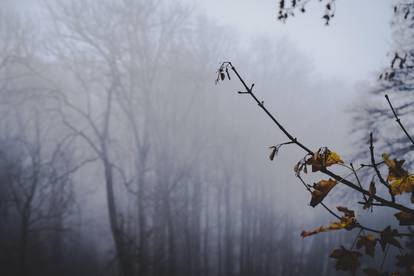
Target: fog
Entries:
(121, 156)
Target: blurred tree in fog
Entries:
(396, 81)
(399, 180)
(125, 87)
(35, 164)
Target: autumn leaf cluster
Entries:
(399, 181)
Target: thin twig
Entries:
(377, 171)
(356, 238)
(358, 181)
(397, 119)
(249, 91)
(373, 204)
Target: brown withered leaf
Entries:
(395, 169)
(406, 261)
(347, 222)
(337, 225)
(321, 190)
(346, 211)
(347, 260)
(305, 234)
(402, 185)
(323, 158)
(373, 272)
(401, 180)
(388, 237)
(369, 242)
(405, 218)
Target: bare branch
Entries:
(397, 119)
(338, 178)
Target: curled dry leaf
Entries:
(222, 72)
(347, 213)
(222, 76)
(321, 190)
(347, 260)
(273, 152)
(301, 165)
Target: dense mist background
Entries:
(120, 156)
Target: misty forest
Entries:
(206, 138)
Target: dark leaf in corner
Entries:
(347, 260)
(405, 218)
(373, 272)
(406, 261)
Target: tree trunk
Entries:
(126, 266)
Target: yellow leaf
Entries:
(333, 158)
(337, 225)
(323, 158)
(402, 185)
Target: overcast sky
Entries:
(353, 47)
